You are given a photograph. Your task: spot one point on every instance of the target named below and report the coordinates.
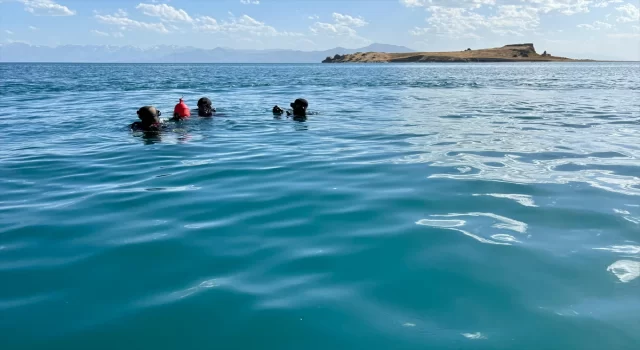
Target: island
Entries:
(507, 53)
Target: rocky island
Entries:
(507, 53)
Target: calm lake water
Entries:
(443, 206)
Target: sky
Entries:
(576, 28)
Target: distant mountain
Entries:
(20, 52)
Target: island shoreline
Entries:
(506, 54)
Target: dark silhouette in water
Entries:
(277, 110)
(299, 106)
(205, 107)
(151, 137)
(298, 111)
(149, 120)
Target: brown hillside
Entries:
(507, 53)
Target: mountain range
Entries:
(21, 52)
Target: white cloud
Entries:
(630, 13)
(624, 35)
(8, 32)
(461, 23)
(11, 41)
(243, 25)
(342, 27)
(124, 23)
(99, 33)
(207, 24)
(46, 8)
(104, 34)
(455, 22)
(514, 16)
(339, 34)
(314, 17)
(567, 7)
(467, 4)
(606, 3)
(165, 12)
(348, 21)
(413, 3)
(332, 29)
(33, 28)
(505, 32)
(418, 31)
(250, 2)
(597, 25)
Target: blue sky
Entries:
(577, 28)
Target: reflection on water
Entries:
(475, 220)
(149, 138)
(625, 270)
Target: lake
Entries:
(426, 206)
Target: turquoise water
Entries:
(479, 206)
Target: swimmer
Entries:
(299, 108)
(205, 108)
(149, 120)
(277, 110)
(181, 111)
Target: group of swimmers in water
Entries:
(150, 120)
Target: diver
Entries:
(298, 111)
(149, 120)
(277, 111)
(205, 108)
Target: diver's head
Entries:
(149, 115)
(205, 108)
(277, 110)
(300, 107)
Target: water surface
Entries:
(442, 206)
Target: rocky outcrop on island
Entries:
(507, 53)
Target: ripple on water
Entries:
(175, 296)
(522, 199)
(505, 238)
(474, 336)
(623, 249)
(24, 301)
(481, 225)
